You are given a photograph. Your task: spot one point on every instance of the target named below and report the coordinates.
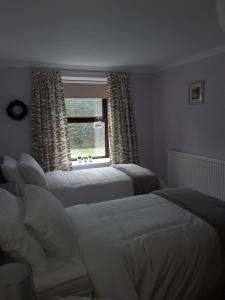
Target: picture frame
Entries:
(196, 92)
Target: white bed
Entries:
(81, 186)
(89, 185)
(145, 247)
(137, 248)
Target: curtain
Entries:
(50, 140)
(122, 130)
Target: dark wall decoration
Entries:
(17, 110)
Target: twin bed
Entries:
(82, 186)
(168, 244)
(145, 247)
(100, 184)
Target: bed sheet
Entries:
(89, 185)
(62, 278)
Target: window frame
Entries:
(103, 118)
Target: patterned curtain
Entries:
(122, 131)
(50, 140)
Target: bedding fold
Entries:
(205, 207)
(144, 181)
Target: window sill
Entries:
(96, 163)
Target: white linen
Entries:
(31, 170)
(89, 185)
(17, 242)
(47, 218)
(146, 247)
(62, 278)
(11, 171)
(14, 238)
(9, 207)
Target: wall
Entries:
(163, 117)
(143, 109)
(15, 136)
(197, 129)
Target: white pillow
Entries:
(31, 170)
(14, 237)
(11, 171)
(49, 222)
(9, 207)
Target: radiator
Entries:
(202, 174)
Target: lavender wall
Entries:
(163, 117)
(15, 83)
(15, 137)
(198, 129)
(140, 88)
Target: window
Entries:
(88, 127)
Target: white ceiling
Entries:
(107, 34)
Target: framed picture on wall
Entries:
(196, 92)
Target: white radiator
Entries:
(202, 174)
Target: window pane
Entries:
(86, 140)
(77, 107)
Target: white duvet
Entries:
(89, 185)
(147, 248)
(61, 277)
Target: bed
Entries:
(165, 245)
(97, 184)
(150, 247)
(82, 186)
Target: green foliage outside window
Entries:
(85, 140)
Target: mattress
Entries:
(89, 185)
(62, 278)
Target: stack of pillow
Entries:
(34, 225)
(31, 170)
(26, 171)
